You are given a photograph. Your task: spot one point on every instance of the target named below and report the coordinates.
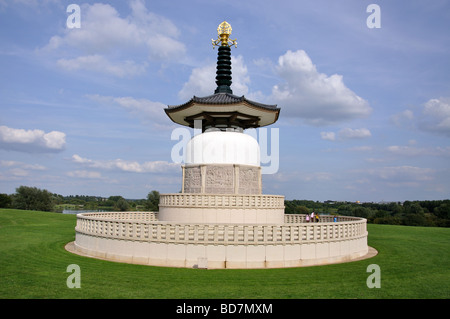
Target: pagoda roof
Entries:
(224, 107)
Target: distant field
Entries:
(414, 263)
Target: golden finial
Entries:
(224, 31)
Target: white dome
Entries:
(221, 147)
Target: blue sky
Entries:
(365, 112)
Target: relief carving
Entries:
(249, 180)
(192, 180)
(219, 179)
(222, 179)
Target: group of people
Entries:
(313, 218)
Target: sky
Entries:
(363, 88)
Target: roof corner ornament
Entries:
(224, 31)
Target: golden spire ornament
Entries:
(224, 31)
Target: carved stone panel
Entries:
(219, 179)
(192, 180)
(222, 179)
(249, 180)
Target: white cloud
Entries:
(436, 116)
(22, 165)
(418, 151)
(146, 110)
(405, 150)
(200, 83)
(361, 149)
(127, 166)
(31, 141)
(115, 45)
(316, 98)
(402, 174)
(302, 176)
(16, 170)
(85, 174)
(346, 134)
(19, 172)
(329, 136)
(202, 80)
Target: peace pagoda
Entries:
(221, 219)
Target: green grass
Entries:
(414, 263)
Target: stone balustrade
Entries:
(221, 200)
(144, 227)
(301, 218)
(141, 216)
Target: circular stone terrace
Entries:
(140, 238)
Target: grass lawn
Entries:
(414, 263)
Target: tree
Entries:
(152, 203)
(121, 204)
(414, 215)
(5, 200)
(32, 198)
(302, 209)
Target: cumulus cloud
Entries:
(127, 166)
(202, 80)
(315, 97)
(329, 136)
(435, 116)
(115, 45)
(31, 141)
(146, 110)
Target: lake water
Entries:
(79, 211)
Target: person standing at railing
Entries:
(307, 218)
(317, 217)
(312, 217)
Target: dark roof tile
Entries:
(224, 98)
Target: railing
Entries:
(222, 200)
(300, 218)
(133, 226)
(125, 216)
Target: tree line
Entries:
(434, 213)
(32, 198)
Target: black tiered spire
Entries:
(223, 110)
(223, 73)
(223, 77)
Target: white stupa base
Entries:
(221, 208)
(141, 239)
